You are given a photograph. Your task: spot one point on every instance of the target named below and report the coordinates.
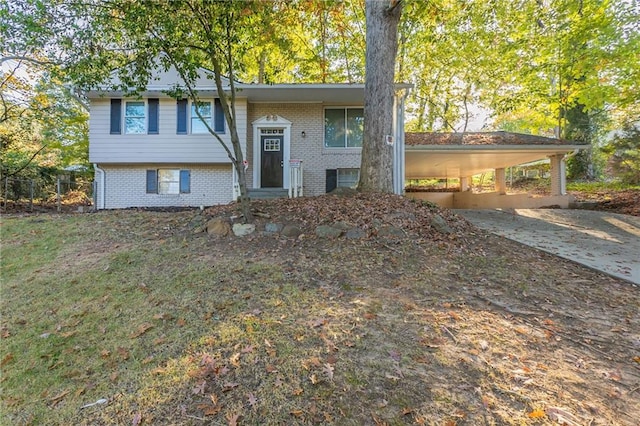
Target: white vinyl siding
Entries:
(162, 148)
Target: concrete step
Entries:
(267, 193)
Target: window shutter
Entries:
(152, 129)
(116, 116)
(185, 181)
(152, 181)
(218, 123)
(331, 180)
(182, 117)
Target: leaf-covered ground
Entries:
(624, 201)
(165, 325)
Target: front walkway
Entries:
(608, 242)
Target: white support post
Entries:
(558, 175)
(464, 183)
(501, 181)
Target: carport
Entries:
(463, 155)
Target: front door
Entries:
(271, 164)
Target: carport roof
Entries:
(441, 155)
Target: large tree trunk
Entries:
(376, 170)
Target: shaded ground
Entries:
(622, 201)
(425, 327)
(605, 241)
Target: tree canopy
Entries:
(548, 67)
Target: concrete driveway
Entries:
(608, 242)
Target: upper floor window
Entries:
(343, 127)
(139, 117)
(189, 122)
(197, 124)
(134, 117)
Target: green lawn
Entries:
(174, 327)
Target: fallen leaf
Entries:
(314, 379)
(251, 398)
(143, 328)
(296, 413)
(228, 386)
(136, 419)
(209, 410)
(105, 353)
(233, 419)
(297, 391)
(328, 370)
(454, 316)
(562, 416)
(124, 353)
(199, 388)
(181, 322)
(7, 359)
(271, 369)
(235, 359)
(59, 397)
(536, 414)
(369, 316)
(68, 334)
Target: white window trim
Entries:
(145, 118)
(346, 168)
(268, 122)
(158, 178)
(191, 116)
(344, 148)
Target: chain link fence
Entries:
(63, 192)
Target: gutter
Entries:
(100, 196)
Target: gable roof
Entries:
(500, 138)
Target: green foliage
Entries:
(624, 151)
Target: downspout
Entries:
(100, 196)
(399, 170)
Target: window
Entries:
(188, 116)
(140, 117)
(197, 125)
(341, 178)
(134, 117)
(343, 127)
(168, 181)
(348, 177)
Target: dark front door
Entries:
(271, 160)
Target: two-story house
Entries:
(154, 151)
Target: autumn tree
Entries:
(118, 45)
(376, 170)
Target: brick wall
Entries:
(126, 187)
(308, 118)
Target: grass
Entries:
(599, 186)
(173, 327)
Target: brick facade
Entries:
(307, 118)
(125, 186)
